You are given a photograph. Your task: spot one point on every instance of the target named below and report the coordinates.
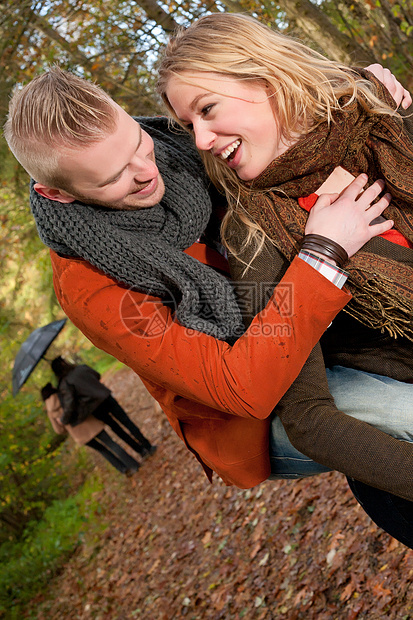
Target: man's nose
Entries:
(143, 168)
(204, 138)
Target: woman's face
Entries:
(231, 119)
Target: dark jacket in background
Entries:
(82, 433)
(81, 393)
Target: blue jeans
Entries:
(368, 397)
(382, 402)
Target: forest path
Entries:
(178, 547)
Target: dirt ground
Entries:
(177, 547)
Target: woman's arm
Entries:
(56, 423)
(317, 428)
(310, 417)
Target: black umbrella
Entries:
(32, 351)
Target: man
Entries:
(84, 150)
(82, 394)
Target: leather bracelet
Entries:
(326, 247)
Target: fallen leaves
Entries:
(178, 547)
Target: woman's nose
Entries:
(204, 138)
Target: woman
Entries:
(90, 432)
(273, 121)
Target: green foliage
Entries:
(27, 566)
(31, 473)
(34, 468)
(383, 28)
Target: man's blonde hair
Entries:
(56, 110)
(304, 87)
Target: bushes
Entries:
(27, 566)
(47, 489)
(31, 474)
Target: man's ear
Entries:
(57, 195)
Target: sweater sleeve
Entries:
(317, 428)
(247, 379)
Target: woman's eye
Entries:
(205, 110)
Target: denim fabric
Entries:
(286, 461)
(393, 514)
(384, 403)
(380, 401)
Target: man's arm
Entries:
(309, 415)
(243, 380)
(141, 332)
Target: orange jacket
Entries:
(217, 398)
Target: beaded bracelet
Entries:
(326, 247)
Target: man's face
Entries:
(118, 172)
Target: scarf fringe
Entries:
(376, 305)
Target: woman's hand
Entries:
(398, 92)
(346, 218)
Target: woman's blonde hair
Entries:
(305, 86)
(56, 110)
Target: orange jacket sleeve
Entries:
(247, 379)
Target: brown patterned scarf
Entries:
(381, 283)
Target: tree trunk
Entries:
(155, 12)
(319, 28)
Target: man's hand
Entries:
(346, 219)
(398, 92)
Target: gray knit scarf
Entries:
(144, 248)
